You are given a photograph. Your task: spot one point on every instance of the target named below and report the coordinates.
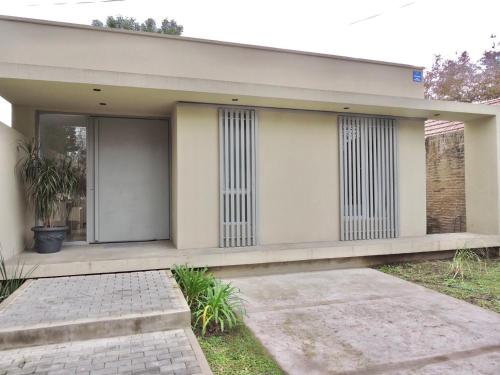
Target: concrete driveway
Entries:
(361, 321)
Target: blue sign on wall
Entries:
(417, 76)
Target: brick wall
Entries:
(445, 183)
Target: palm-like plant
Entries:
(48, 182)
(218, 308)
(214, 304)
(10, 281)
(193, 283)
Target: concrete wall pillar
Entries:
(481, 175)
(12, 200)
(412, 178)
(195, 176)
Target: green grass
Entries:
(481, 286)
(237, 352)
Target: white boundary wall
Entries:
(12, 202)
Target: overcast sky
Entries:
(406, 31)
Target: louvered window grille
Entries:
(237, 134)
(369, 183)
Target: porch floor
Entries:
(140, 256)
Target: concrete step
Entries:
(63, 309)
(165, 352)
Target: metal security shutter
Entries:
(237, 130)
(369, 178)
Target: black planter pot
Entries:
(49, 240)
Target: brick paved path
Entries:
(48, 310)
(56, 300)
(168, 352)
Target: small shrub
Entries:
(193, 283)
(218, 308)
(465, 263)
(10, 281)
(215, 306)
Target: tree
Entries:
(120, 22)
(452, 79)
(463, 80)
(149, 26)
(489, 79)
(169, 27)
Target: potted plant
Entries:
(48, 183)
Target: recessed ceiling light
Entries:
(234, 99)
(103, 103)
(97, 89)
(346, 108)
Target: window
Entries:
(65, 136)
(237, 177)
(369, 186)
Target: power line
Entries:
(381, 13)
(366, 18)
(75, 3)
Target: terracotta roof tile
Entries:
(435, 127)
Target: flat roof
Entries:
(200, 40)
(153, 96)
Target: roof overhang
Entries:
(71, 90)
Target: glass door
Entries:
(63, 136)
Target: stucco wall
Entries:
(58, 45)
(12, 203)
(196, 178)
(481, 175)
(298, 176)
(412, 177)
(23, 120)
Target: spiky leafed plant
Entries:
(219, 308)
(465, 262)
(48, 181)
(215, 306)
(10, 281)
(194, 282)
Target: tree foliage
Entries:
(461, 79)
(167, 26)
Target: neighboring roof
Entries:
(208, 41)
(492, 102)
(436, 127)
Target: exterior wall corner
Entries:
(195, 177)
(412, 178)
(14, 225)
(482, 185)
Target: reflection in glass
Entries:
(65, 136)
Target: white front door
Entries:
(131, 179)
